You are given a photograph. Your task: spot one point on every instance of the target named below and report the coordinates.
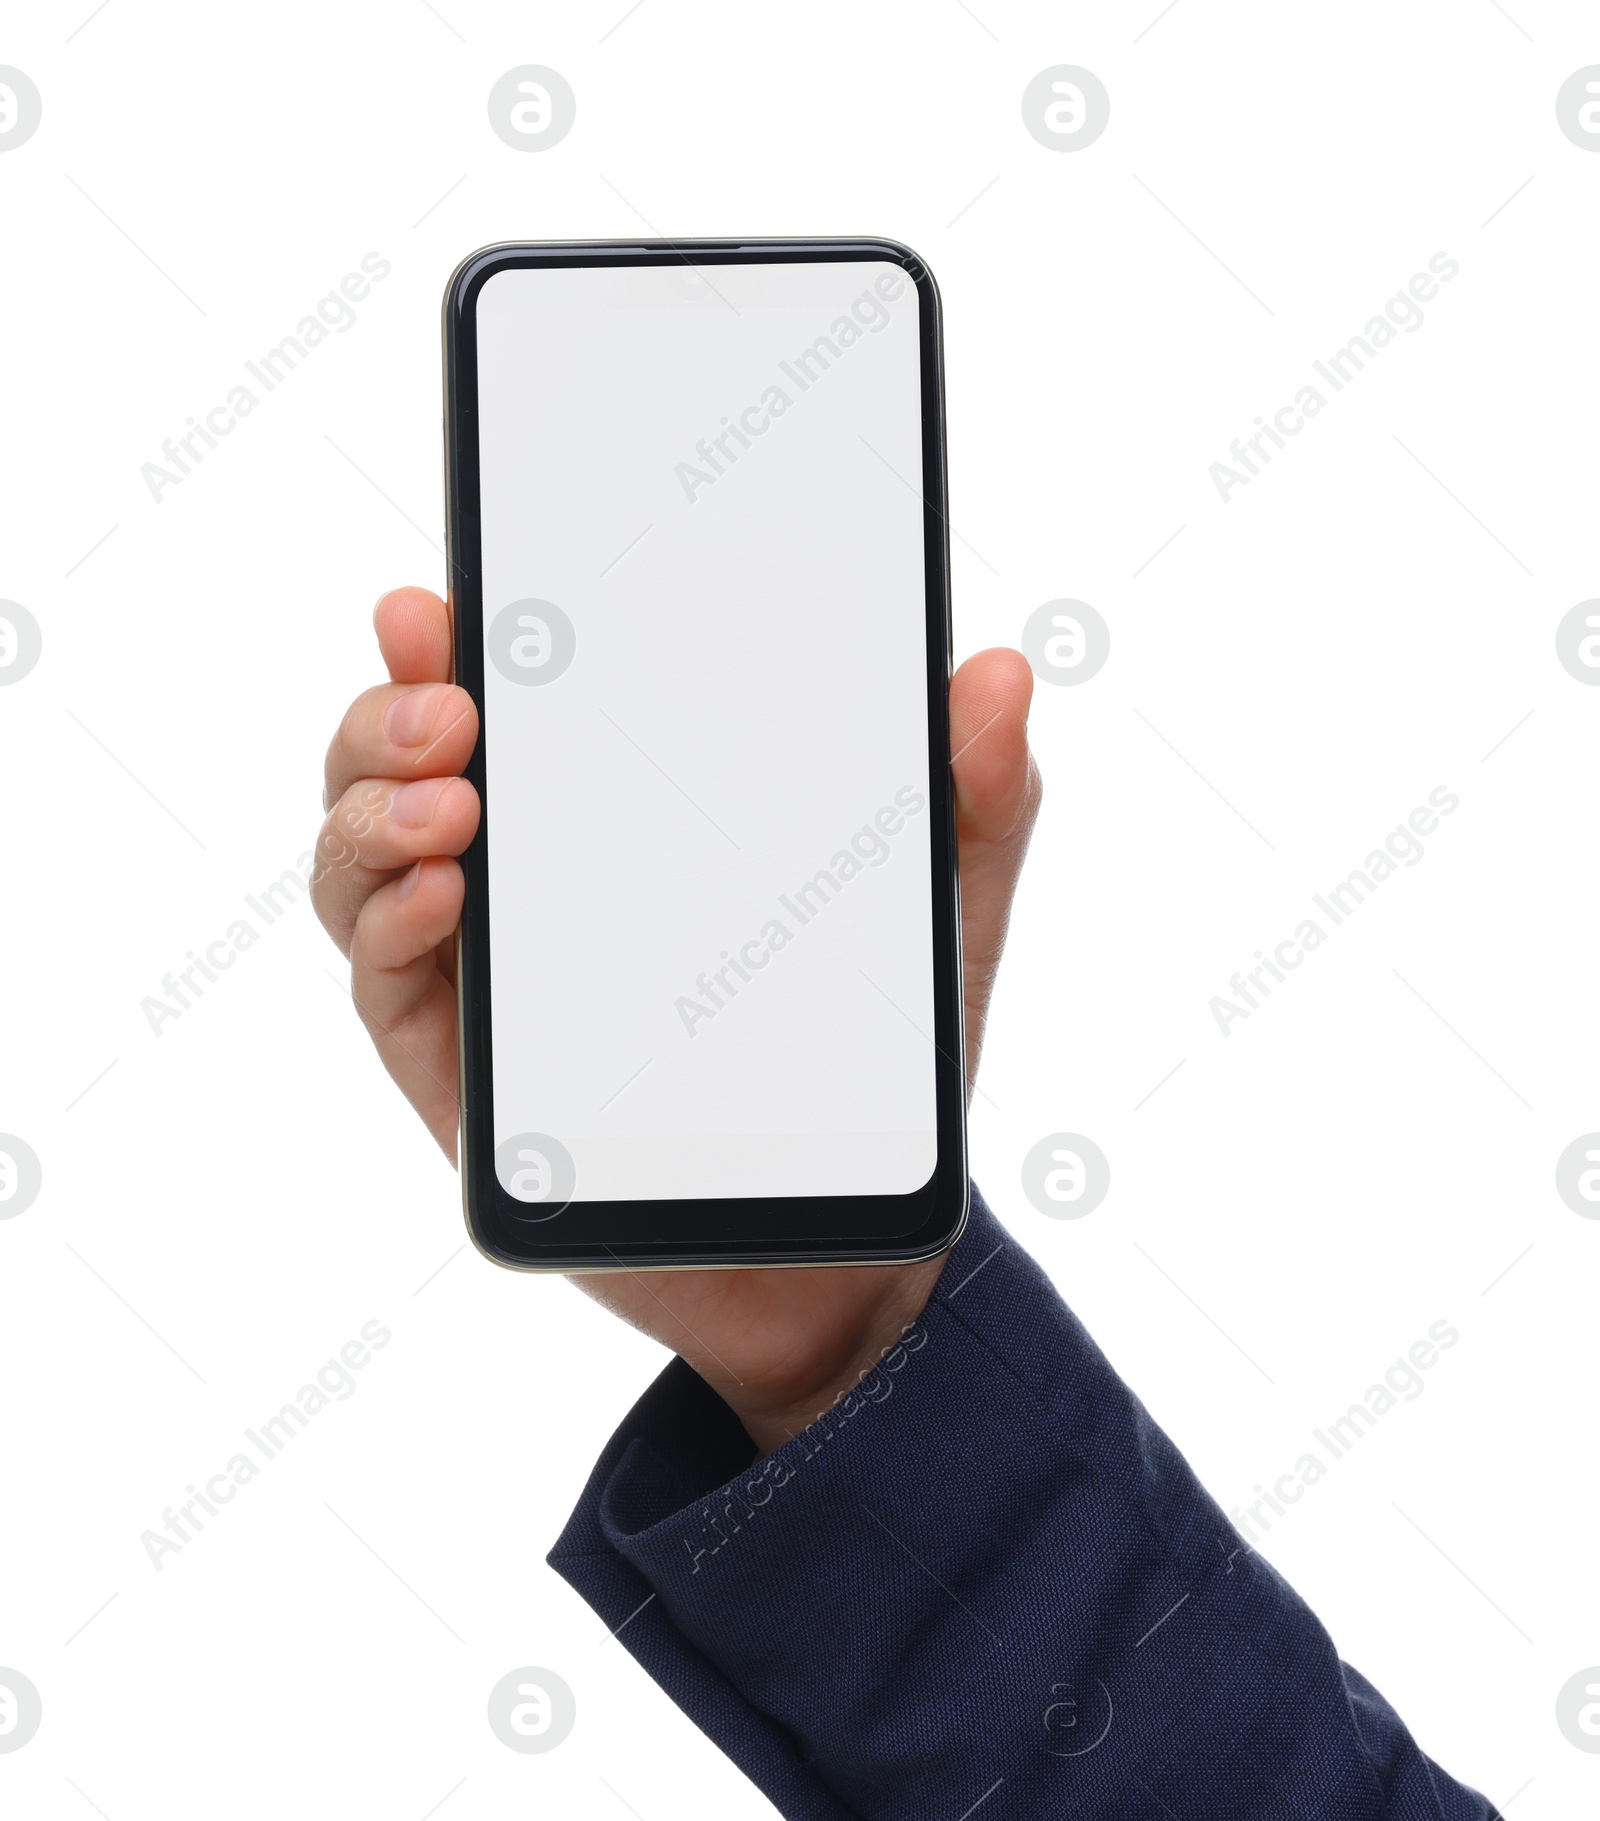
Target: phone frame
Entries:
(733, 1232)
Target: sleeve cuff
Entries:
(985, 1568)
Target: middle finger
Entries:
(402, 730)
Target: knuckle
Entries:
(350, 737)
(335, 850)
(333, 765)
(357, 814)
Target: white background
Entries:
(1344, 635)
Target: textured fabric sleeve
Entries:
(985, 1577)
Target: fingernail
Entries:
(409, 719)
(409, 883)
(413, 805)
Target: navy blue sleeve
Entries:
(984, 1581)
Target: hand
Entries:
(779, 1346)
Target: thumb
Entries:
(996, 785)
(998, 791)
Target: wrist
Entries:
(777, 1409)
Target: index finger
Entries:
(413, 628)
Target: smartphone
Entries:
(709, 965)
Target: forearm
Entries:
(983, 1574)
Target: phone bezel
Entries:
(732, 1232)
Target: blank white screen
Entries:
(709, 887)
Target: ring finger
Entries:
(379, 826)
